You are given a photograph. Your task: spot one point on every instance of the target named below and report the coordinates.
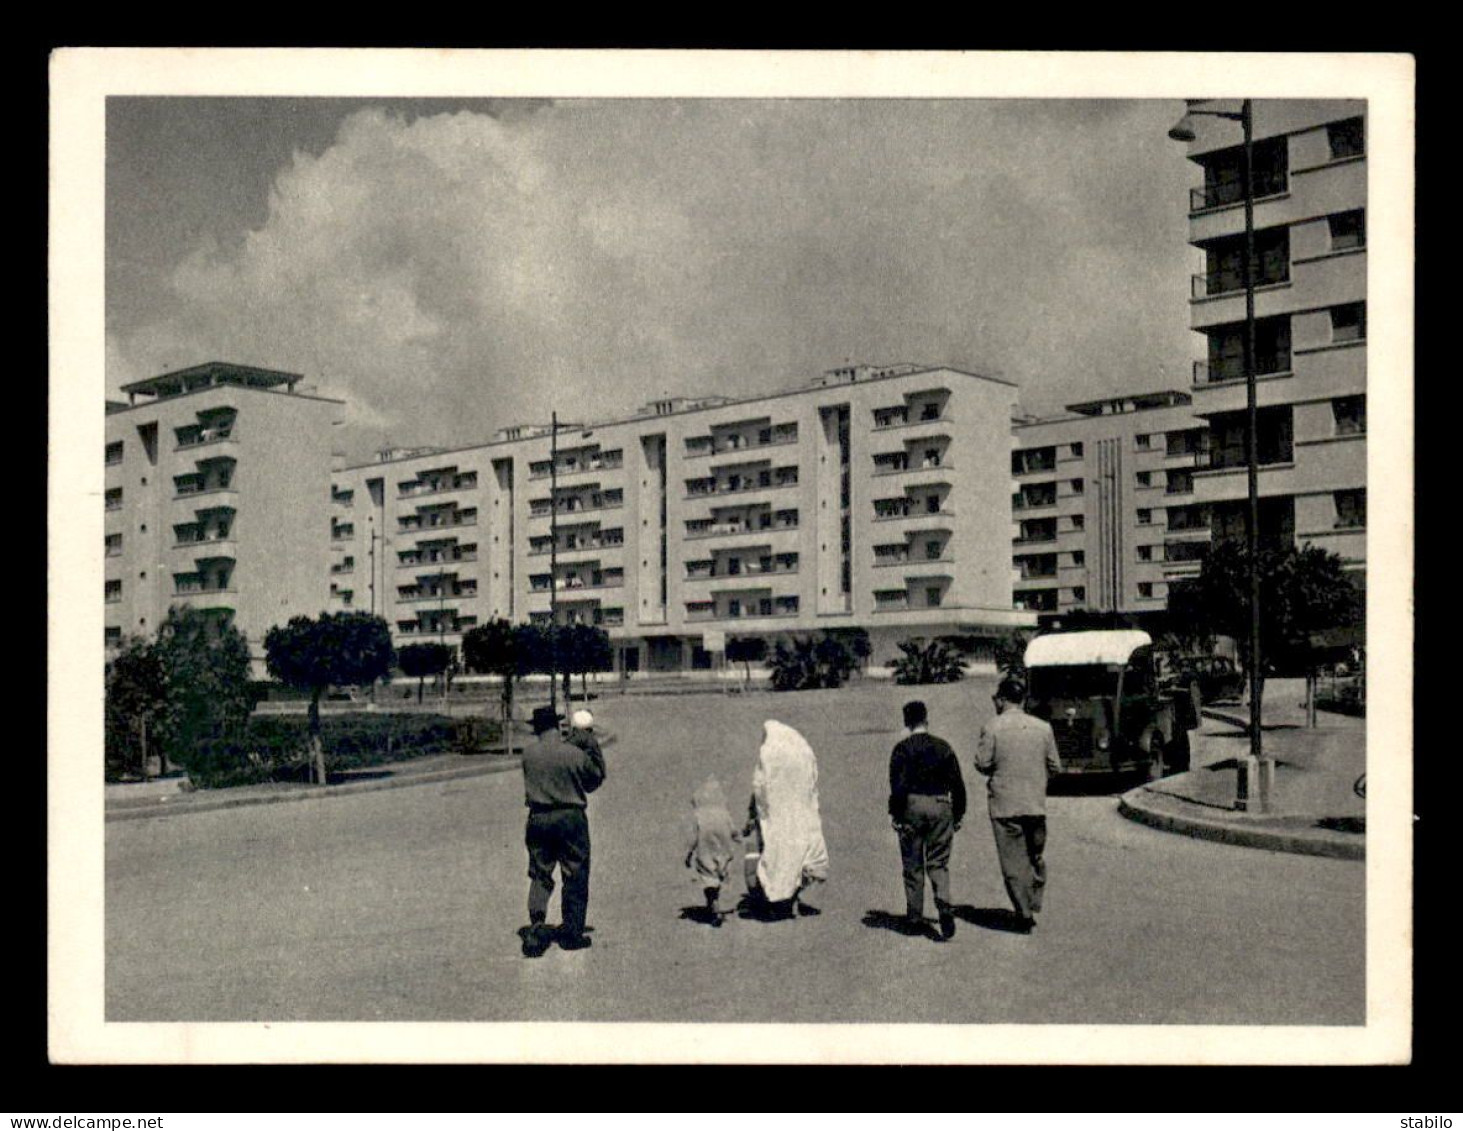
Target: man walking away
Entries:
(926, 805)
(558, 776)
(1018, 754)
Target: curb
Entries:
(308, 793)
(1177, 816)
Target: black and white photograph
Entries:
(674, 556)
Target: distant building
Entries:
(1310, 183)
(1103, 504)
(871, 497)
(217, 496)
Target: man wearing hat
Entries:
(1018, 754)
(558, 777)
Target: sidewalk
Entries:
(1315, 809)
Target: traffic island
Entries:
(1315, 809)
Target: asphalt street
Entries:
(403, 905)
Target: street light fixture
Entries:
(1257, 800)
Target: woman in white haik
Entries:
(787, 852)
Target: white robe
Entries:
(785, 792)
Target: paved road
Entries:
(403, 905)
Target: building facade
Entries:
(872, 497)
(1310, 194)
(216, 493)
(1103, 506)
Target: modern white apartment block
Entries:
(1104, 507)
(217, 496)
(1310, 181)
(871, 497)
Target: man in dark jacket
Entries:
(926, 805)
(558, 776)
(1018, 753)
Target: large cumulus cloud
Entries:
(456, 272)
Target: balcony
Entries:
(413, 524)
(1227, 372)
(706, 489)
(415, 489)
(778, 436)
(608, 461)
(416, 561)
(1225, 193)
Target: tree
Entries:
(337, 649)
(584, 648)
(498, 648)
(205, 665)
(1010, 652)
(136, 702)
(935, 662)
(418, 661)
(1304, 592)
(746, 650)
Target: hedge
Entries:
(275, 748)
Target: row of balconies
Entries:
(437, 485)
(715, 444)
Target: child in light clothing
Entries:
(712, 846)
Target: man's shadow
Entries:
(888, 921)
(991, 918)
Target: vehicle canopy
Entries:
(1074, 649)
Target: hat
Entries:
(582, 719)
(545, 719)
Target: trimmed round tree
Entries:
(498, 648)
(335, 649)
(418, 661)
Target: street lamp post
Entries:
(554, 561)
(1258, 798)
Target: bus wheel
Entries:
(1151, 744)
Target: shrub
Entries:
(807, 664)
(935, 662)
(274, 748)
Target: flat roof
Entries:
(701, 405)
(208, 374)
(1104, 646)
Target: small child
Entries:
(713, 844)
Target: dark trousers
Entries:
(558, 836)
(1020, 842)
(924, 849)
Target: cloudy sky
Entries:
(451, 267)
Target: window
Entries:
(1145, 441)
(932, 551)
(114, 452)
(1348, 230)
(114, 588)
(112, 635)
(114, 545)
(932, 596)
(1145, 589)
(1145, 516)
(1145, 479)
(1348, 323)
(1145, 553)
(113, 498)
(1347, 138)
(932, 504)
(1351, 509)
(1077, 451)
(1079, 522)
(1079, 557)
(1350, 414)
(1180, 481)
(1226, 361)
(1077, 486)
(930, 411)
(1079, 593)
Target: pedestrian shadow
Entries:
(888, 921)
(761, 911)
(700, 913)
(991, 918)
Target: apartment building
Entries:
(871, 497)
(1104, 506)
(1310, 188)
(217, 495)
